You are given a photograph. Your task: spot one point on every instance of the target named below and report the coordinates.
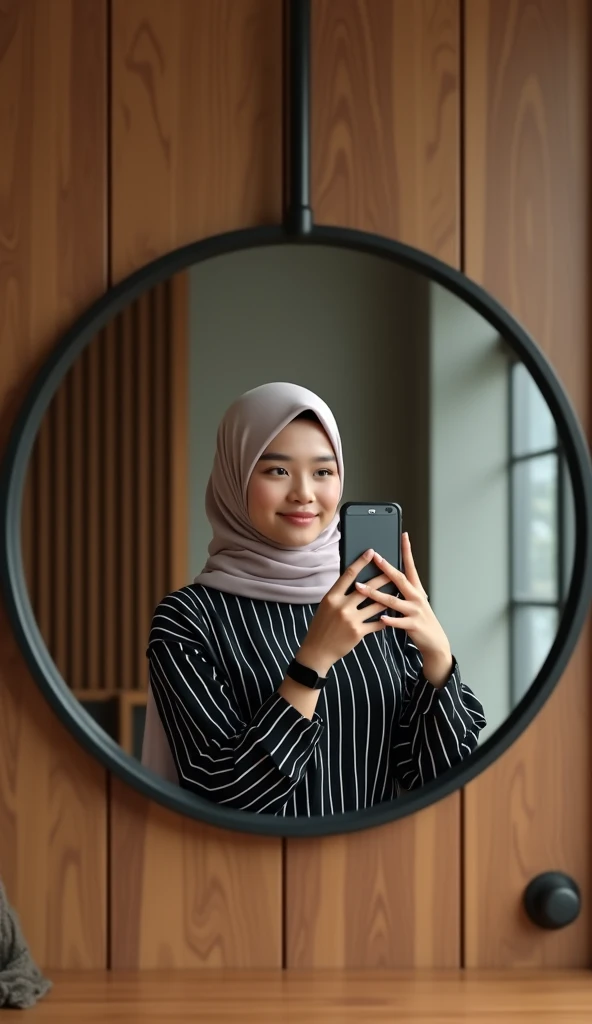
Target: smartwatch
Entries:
(307, 676)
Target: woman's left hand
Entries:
(416, 615)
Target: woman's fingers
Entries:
(408, 582)
(409, 563)
(386, 600)
(395, 575)
(375, 584)
(402, 622)
(352, 572)
(375, 627)
(371, 609)
(378, 581)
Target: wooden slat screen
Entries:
(105, 534)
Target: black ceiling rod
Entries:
(297, 210)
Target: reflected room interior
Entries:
(435, 412)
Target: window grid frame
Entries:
(515, 604)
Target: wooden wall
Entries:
(131, 127)
(527, 187)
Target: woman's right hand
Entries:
(339, 623)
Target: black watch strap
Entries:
(307, 676)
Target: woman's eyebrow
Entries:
(278, 457)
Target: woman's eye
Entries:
(280, 471)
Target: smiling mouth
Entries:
(300, 517)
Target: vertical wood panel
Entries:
(126, 505)
(44, 521)
(187, 895)
(145, 593)
(52, 265)
(93, 669)
(110, 470)
(60, 499)
(179, 445)
(160, 444)
(196, 149)
(528, 241)
(386, 159)
(78, 588)
(196, 122)
(386, 120)
(28, 531)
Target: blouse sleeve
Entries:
(437, 728)
(250, 765)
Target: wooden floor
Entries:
(322, 997)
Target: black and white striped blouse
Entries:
(216, 662)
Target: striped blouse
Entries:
(216, 662)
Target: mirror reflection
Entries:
(432, 411)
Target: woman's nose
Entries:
(302, 492)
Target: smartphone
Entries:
(370, 524)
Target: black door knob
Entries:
(552, 900)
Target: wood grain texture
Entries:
(196, 149)
(196, 122)
(52, 265)
(188, 895)
(318, 997)
(379, 897)
(386, 160)
(386, 120)
(528, 241)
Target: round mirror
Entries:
(445, 406)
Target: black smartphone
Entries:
(370, 524)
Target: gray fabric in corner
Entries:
(21, 981)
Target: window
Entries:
(541, 530)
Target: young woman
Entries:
(275, 693)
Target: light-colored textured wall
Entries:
(469, 529)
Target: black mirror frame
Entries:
(37, 657)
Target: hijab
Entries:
(242, 561)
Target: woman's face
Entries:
(294, 488)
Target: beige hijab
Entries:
(241, 561)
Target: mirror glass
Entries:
(435, 413)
